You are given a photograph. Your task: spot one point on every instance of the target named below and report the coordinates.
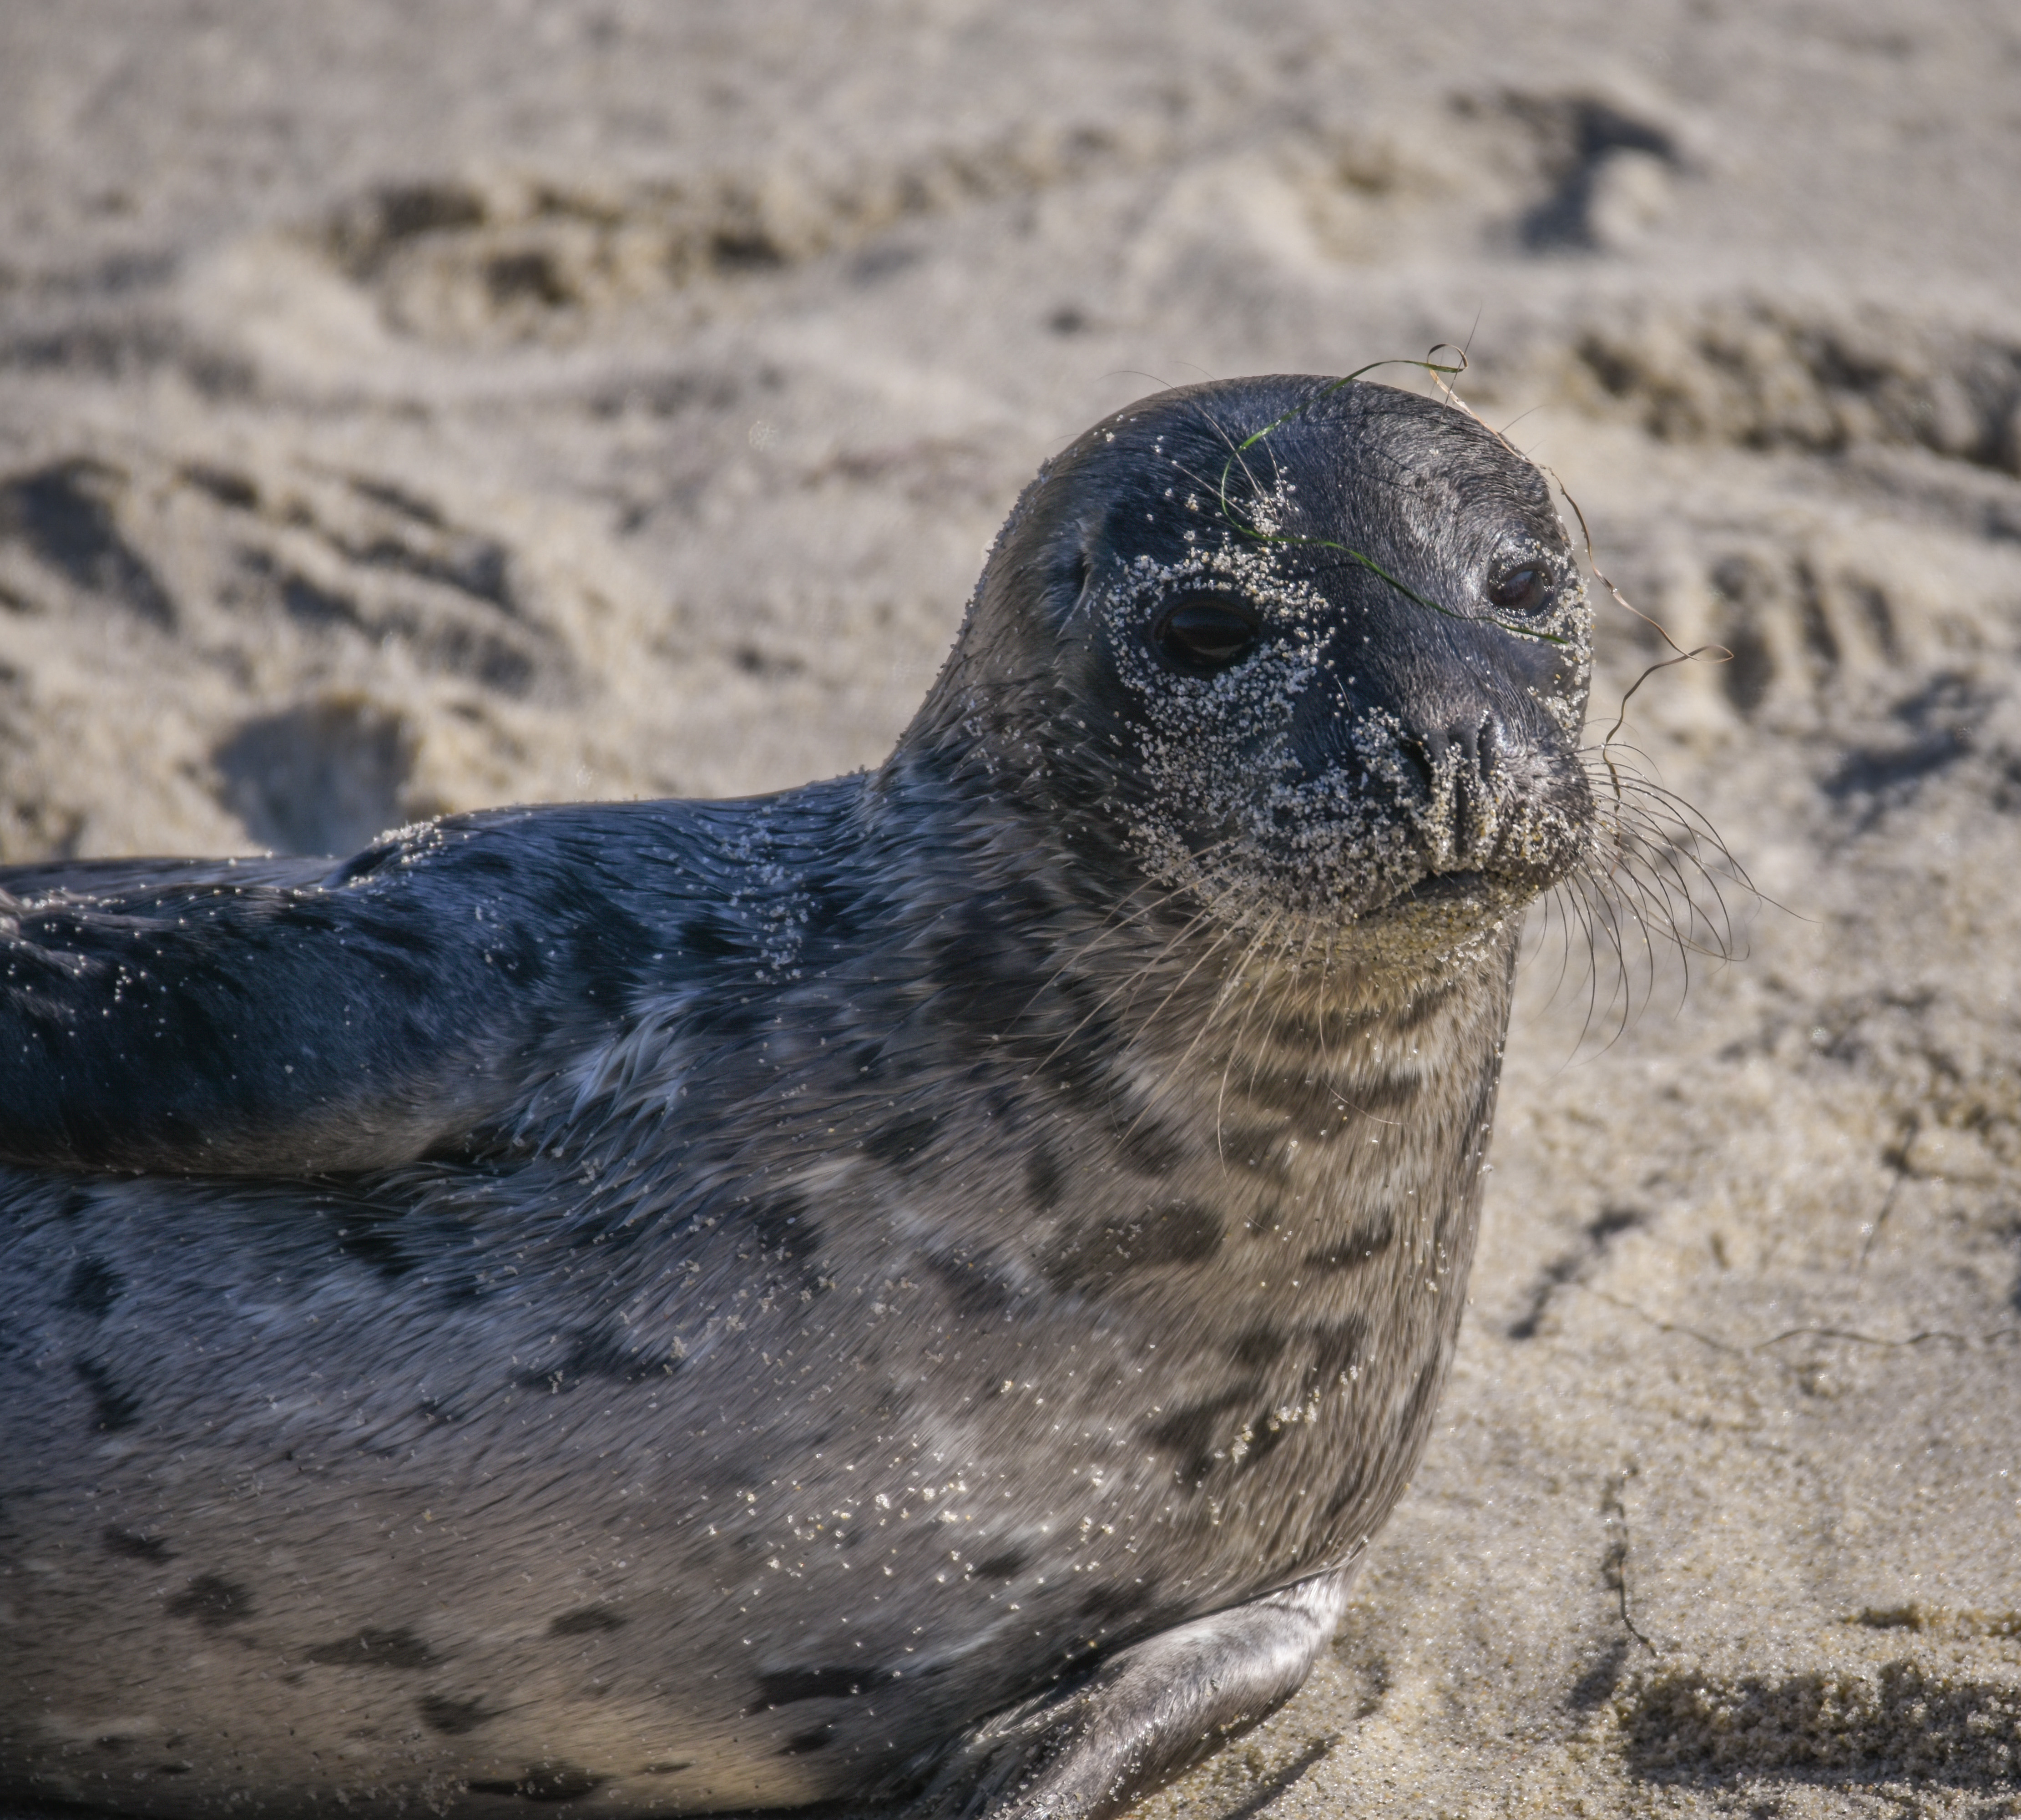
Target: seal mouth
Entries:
(1444, 888)
(1489, 889)
(1440, 894)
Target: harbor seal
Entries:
(912, 1293)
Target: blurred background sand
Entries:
(407, 409)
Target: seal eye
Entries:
(1522, 589)
(1204, 633)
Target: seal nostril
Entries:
(1424, 753)
(1478, 746)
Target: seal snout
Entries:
(1459, 818)
(1483, 799)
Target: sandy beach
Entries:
(410, 409)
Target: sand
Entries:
(409, 409)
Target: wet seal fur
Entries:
(913, 1292)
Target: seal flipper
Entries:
(292, 1017)
(1147, 1713)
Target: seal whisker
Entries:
(1237, 449)
(1229, 933)
(1575, 915)
(1127, 989)
(1133, 982)
(1327, 1062)
(1112, 926)
(1278, 1007)
(1667, 892)
(1265, 940)
(1580, 896)
(1646, 859)
(1644, 844)
(1601, 905)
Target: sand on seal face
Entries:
(407, 411)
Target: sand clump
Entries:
(409, 412)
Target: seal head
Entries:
(1317, 655)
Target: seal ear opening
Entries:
(1080, 571)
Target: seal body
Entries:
(915, 1290)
